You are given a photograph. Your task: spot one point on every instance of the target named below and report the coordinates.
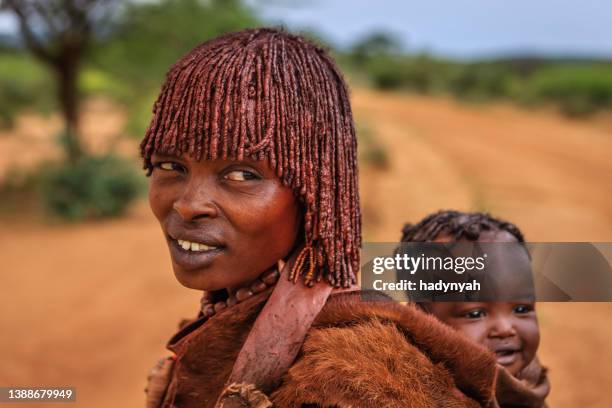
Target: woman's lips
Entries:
(190, 255)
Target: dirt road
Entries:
(550, 175)
(91, 305)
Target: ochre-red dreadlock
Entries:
(270, 95)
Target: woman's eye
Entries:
(170, 166)
(240, 175)
(521, 309)
(475, 314)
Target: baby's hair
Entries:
(269, 95)
(458, 225)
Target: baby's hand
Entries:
(241, 396)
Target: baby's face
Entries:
(508, 329)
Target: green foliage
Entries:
(385, 72)
(23, 83)
(380, 57)
(579, 90)
(151, 36)
(129, 61)
(425, 74)
(93, 187)
(578, 87)
(148, 38)
(377, 44)
(482, 81)
(140, 115)
(94, 81)
(69, 144)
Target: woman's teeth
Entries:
(194, 246)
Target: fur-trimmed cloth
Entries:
(356, 354)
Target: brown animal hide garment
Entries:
(356, 354)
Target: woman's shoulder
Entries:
(367, 351)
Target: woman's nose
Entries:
(196, 202)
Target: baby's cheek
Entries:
(531, 338)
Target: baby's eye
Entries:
(475, 314)
(521, 309)
(240, 175)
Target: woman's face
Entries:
(225, 221)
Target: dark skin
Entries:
(508, 329)
(226, 222)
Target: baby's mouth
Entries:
(507, 355)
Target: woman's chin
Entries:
(197, 280)
(207, 280)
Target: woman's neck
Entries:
(257, 284)
(213, 302)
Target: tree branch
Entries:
(30, 38)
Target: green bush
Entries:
(93, 81)
(93, 187)
(416, 73)
(419, 74)
(578, 90)
(23, 83)
(481, 81)
(385, 72)
(148, 37)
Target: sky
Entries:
(458, 28)
(453, 28)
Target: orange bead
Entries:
(219, 306)
(270, 277)
(243, 293)
(258, 286)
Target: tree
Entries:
(374, 45)
(58, 33)
(147, 37)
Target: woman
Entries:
(252, 158)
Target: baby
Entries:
(509, 329)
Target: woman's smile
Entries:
(191, 248)
(193, 255)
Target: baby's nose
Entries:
(502, 327)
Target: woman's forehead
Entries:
(188, 158)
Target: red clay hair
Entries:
(270, 95)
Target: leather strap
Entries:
(278, 332)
